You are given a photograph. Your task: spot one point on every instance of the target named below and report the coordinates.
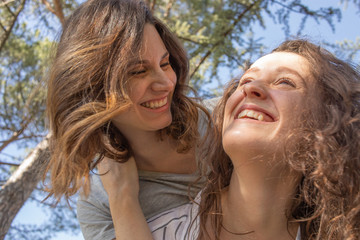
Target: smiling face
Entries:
(268, 102)
(151, 85)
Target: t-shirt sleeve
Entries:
(94, 214)
(203, 122)
(211, 103)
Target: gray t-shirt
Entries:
(159, 192)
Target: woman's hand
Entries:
(119, 179)
(121, 182)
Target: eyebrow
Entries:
(143, 62)
(255, 69)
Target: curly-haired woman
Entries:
(284, 156)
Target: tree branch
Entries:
(57, 11)
(9, 10)
(224, 34)
(10, 164)
(188, 40)
(3, 27)
(5, 36)
(6, 3)
(48, 6)
(26, 119)
(292, 9)
(168, 9)
(152, 7)
(16, 134)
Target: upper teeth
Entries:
(155, 104)
(251, 114)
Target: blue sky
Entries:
(348, 29)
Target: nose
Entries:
(255, 89)
(162, 82)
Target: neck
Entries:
(160, 155)
(261, 199)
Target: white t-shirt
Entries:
(180, 223)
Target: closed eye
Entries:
(165, 64)
(286, 81)
(245, 81)
(137, 72)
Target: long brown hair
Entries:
(87, 87)
(325, 151)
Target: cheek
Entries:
(227, 118)
(295, 111)
(137, 89)
(234, 100)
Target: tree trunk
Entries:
(21, 184)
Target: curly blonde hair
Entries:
(325, 151)
(87, 87)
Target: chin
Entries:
(237, 144)
(233, 143)
(161, 124)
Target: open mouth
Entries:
(155, 104)
(255, 115)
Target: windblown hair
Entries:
(88, 86)
(325, 151)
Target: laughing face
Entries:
(268, 102)
(151, 86)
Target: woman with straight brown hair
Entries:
(117, 90)
(284, 158)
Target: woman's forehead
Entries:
(282, 62)
(291, 60)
